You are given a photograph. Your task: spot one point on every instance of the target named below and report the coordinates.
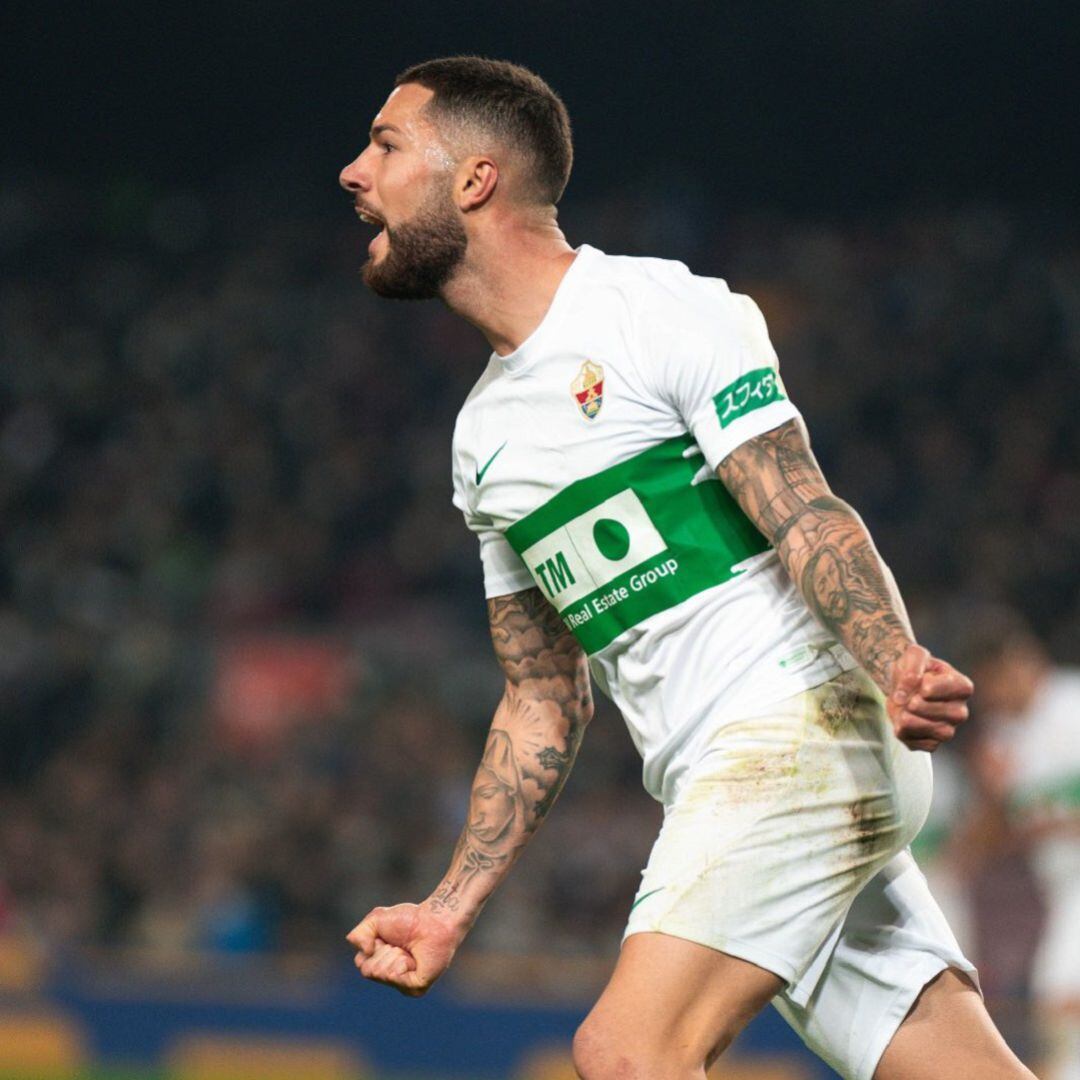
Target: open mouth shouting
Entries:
(367, 215)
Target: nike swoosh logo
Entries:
(487, 464)
(646, 896)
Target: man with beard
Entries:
(648, 509)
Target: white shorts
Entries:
(785, 845)
(1055, 972)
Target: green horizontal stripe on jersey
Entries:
(691, 536)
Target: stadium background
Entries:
(243, 670)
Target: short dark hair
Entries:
(511, 103)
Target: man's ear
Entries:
(476, 182)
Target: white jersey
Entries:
(1042, 749)
(578, 462)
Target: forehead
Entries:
(403, 109)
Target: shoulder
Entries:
(662, 280)
(672, 303)
(692, 336)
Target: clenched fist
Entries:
(928, 700)
(406, 946)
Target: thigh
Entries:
(897, 999)
(947, 1034)
(854, 1001)
(780, 825)
(674, 997)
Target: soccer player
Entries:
(648, 509)
(1029, 767)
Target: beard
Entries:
(422, 254)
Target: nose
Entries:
(354, 177)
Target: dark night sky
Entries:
(826, 105)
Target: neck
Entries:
(508, 280)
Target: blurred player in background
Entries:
(1028, 766)
(648, 509)
(939, 848)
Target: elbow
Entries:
(579, 689)
(577, 702)
(586, 709)
(584, 696)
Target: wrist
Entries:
(883, 662)
(893, 666)
(451, 909)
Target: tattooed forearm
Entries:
(823, 544)
(550, 758)
(530, 749)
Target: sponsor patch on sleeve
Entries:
(751, 391)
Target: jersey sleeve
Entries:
(721, 373)
(504, 572)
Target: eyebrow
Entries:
(378, 129)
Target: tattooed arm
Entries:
(530, 749)
(827, 550)
(533, 741)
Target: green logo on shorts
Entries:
(634, 540)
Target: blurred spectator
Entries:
(1028, 767)
(939, 848)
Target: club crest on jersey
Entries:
(588, 389)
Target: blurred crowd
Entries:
(211, 434)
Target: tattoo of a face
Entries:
(822, 543)
(497, 802)
(533, 741)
